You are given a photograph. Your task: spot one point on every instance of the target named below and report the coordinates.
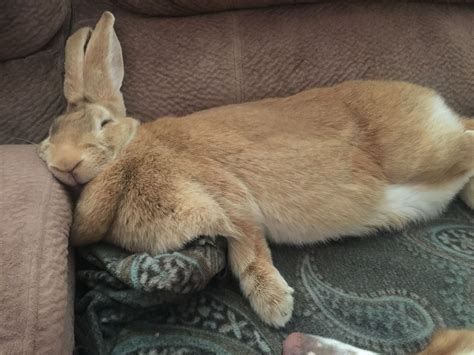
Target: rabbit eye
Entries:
(104, 123)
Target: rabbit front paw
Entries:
(269, 294)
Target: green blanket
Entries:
(387, 293)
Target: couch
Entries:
(387, 293)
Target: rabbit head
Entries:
(94, 128)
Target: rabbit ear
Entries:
(74, 67)
(103, 66)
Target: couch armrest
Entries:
(36, 278)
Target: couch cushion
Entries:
(191, 7)
(36, 298)
(174, 66)
(31, 92)
(27, 25)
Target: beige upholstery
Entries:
(36, 274)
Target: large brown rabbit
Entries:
(325, 163)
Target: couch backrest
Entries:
(177, 65)
(194, 7)
(32, 35)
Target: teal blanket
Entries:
(387, 293)
(114, 283)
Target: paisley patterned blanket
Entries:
(385, 293)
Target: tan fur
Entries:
(451, 342)
(320, 164)
(443, 342)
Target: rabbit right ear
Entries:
(74, 67)
(103, 66)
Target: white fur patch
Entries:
(417, 202)
(443, 118)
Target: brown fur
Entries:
(301, 169)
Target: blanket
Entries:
(118, 280)
(386, 293)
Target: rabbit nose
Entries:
(67, 160)
(66, 166)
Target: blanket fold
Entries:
(182, 272)
(115, 286)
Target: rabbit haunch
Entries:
(343, 160)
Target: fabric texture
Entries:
(28, 25)
(175, 66)
(180, 272)
(385, 293)
(36, 278)
(32, 38)
(140, 282)
(179, 65)
(193, 7)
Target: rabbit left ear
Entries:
(103, 67)
(74, 67)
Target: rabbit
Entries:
(348, 159)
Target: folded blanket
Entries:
(114, 279)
